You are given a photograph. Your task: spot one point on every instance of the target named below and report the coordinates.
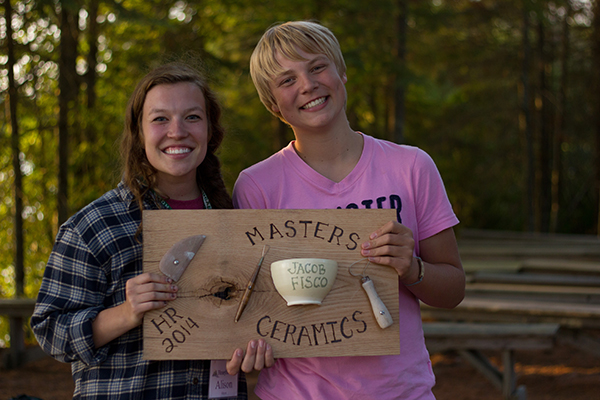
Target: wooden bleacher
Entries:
(524, 292)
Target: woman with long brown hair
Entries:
(94, 293)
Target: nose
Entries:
(308, 82)
(177, 129)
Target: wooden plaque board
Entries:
(200, 325)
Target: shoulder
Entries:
(111, 202)
(270, 164)
(268, 170)
(114, 211)
(256, 184)
(397, 153)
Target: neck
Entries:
(181, 190)
(333, 155)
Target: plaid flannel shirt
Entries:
(95, 253)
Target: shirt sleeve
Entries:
(433, 209)
(247, 193)
(70, 298)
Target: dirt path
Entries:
(560, 374)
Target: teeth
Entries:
(177, 150)
(314, 103)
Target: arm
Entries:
(77, 288)
(70, 297)
(143, 293)
(443, 283)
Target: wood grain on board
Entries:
(199, 324)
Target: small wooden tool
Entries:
(250, 286)
(380, 311)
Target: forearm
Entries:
(110, 324)
(145, 292)
(443, 285)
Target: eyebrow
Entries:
(312, 61)
(187, 110)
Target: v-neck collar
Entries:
(326, 183)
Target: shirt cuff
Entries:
(82, 336)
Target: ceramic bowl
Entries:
(304, 280)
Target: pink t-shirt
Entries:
(386, 176)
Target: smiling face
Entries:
(175, 131)
(309, 93)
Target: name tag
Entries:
(221, 384)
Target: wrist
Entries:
(421, 272)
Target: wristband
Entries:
(421, 272)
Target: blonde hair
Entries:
(286, 39)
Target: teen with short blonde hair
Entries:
(300, 77)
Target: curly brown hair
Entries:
(139, 175)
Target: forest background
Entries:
(504, 95)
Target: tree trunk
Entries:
(86, 170)
(526, 126)
(399, 85)
(596, 103)
(545, 148)
(67, 84)
(16, 153)
(560, 123)
(90, 75)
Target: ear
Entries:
(274, 108)
(344, 78)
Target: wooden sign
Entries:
(199, 324)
